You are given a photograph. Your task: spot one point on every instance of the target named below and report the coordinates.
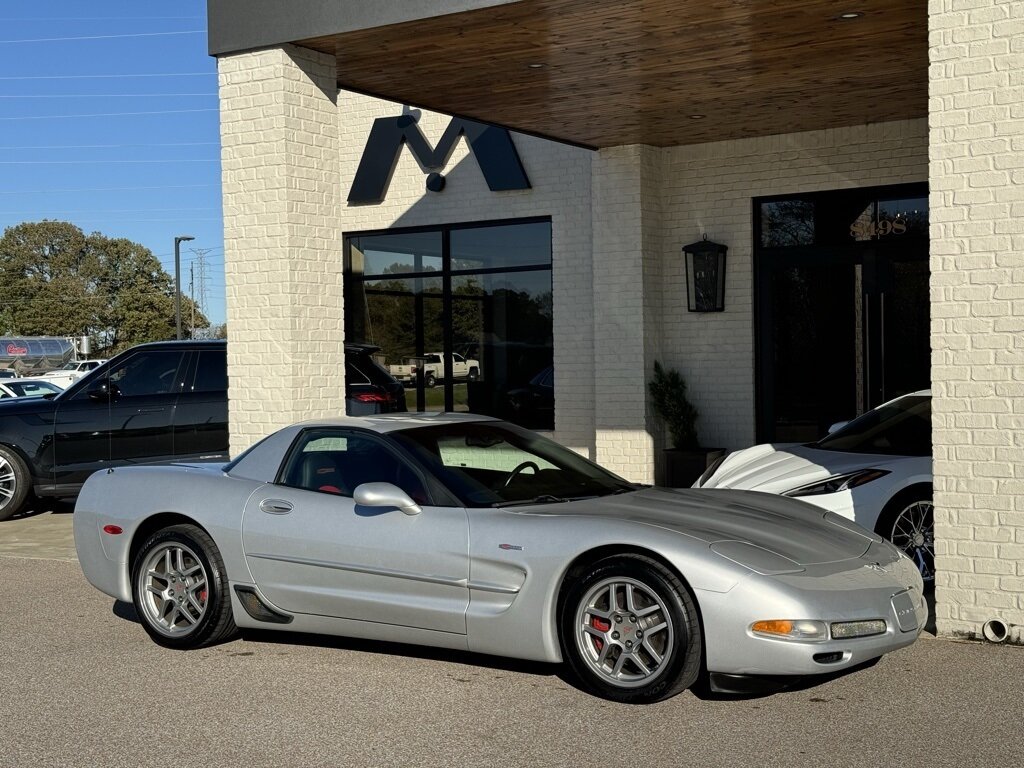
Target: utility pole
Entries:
(177, 280)
(192, 295)
(200, 277)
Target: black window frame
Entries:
(446, 274)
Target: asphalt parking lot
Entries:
(82, 685)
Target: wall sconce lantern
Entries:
(705, 275)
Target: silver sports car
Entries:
(469, 533)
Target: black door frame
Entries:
(877, 252)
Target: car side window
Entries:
(211, 372)
(151, 372)
(337, 461)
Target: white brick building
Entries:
(620, 211)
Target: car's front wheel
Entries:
(180, 589)
(15, 483)
(630, 630)
(908, 521)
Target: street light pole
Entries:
(177, 279)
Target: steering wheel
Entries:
(518, 469)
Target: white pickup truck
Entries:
(71, 372)
(432, 364)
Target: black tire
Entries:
(15, 483)
(680, 645)
(429, 380)
(916, 533)
(215, 622)
(474, 374)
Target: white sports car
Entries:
(875, 470)
(465, 532)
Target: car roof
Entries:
(30, 380)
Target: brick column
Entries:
(976, 122)
(282, 239)
(625, 207)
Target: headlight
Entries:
(787, 629)
(709, 472)
(838, 483)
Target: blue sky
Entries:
(80, 148)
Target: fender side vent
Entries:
(258, 609)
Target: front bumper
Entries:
(837, 593)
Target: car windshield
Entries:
(498, 464)
(32, 388)
(900, 428)
(69, 367)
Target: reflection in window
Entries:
(787, 223)
(470, 336)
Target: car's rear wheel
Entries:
(908, 521)
(180, 589)
(630, 630)
(15, 483)
(429, 380)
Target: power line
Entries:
(99, 95)
(119, 146)
(103, 37)
(104, 189)
(111, 210)
(111, 114)
(98, 18)
(113, 76)
(102, 162)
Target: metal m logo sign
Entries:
(492, 147)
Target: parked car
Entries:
(369, 388)
(70, 372)
(533, 406)
(465, 532)
(7, 373)
(154, 403)
(27, 388)
(432, 366)
(875, 470)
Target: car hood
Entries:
(781, 468)
(800, 532)
(21, 406)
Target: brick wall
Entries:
(976, 120)
(279, 151)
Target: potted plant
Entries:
(685, 461)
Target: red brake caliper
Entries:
(601, 626)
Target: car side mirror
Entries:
(385, 495)
(104, 393)
(837, 426)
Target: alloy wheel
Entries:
(173, 589)
(624, 632)
(913, 531)
(8, 482)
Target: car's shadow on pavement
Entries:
(42, 506)
(760, 688)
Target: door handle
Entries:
(152, 410)
(276, 506)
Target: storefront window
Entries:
(462, 315)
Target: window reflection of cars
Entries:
(875, 470)
(533, 406)
(27, 388)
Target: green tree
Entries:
(57, 281)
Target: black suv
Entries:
(159, 402)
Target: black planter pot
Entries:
(682, 468)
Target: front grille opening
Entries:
(828, 658)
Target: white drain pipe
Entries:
(995, 630)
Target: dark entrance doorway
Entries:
(841, 291)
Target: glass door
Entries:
(843, 308)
